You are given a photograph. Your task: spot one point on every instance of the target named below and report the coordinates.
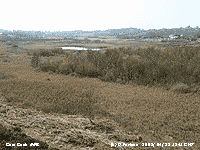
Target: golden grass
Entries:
(135, 108)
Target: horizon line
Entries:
(101, 30)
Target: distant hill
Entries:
(187, 32)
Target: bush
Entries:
(110, 76)
(35, 60)
(93, 73)
(151, 66)
(51, 65)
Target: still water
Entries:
(78, 48)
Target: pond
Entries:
(79, 48)
(67, 50)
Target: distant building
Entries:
(4, 38)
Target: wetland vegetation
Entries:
(146, 89)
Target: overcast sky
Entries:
(89, 15)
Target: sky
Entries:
(89, 15)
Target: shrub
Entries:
(51, 65)
(93, 73)
(35, 60)
(94, 57)
(58, 51)
(110, 76)
(151, 66)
